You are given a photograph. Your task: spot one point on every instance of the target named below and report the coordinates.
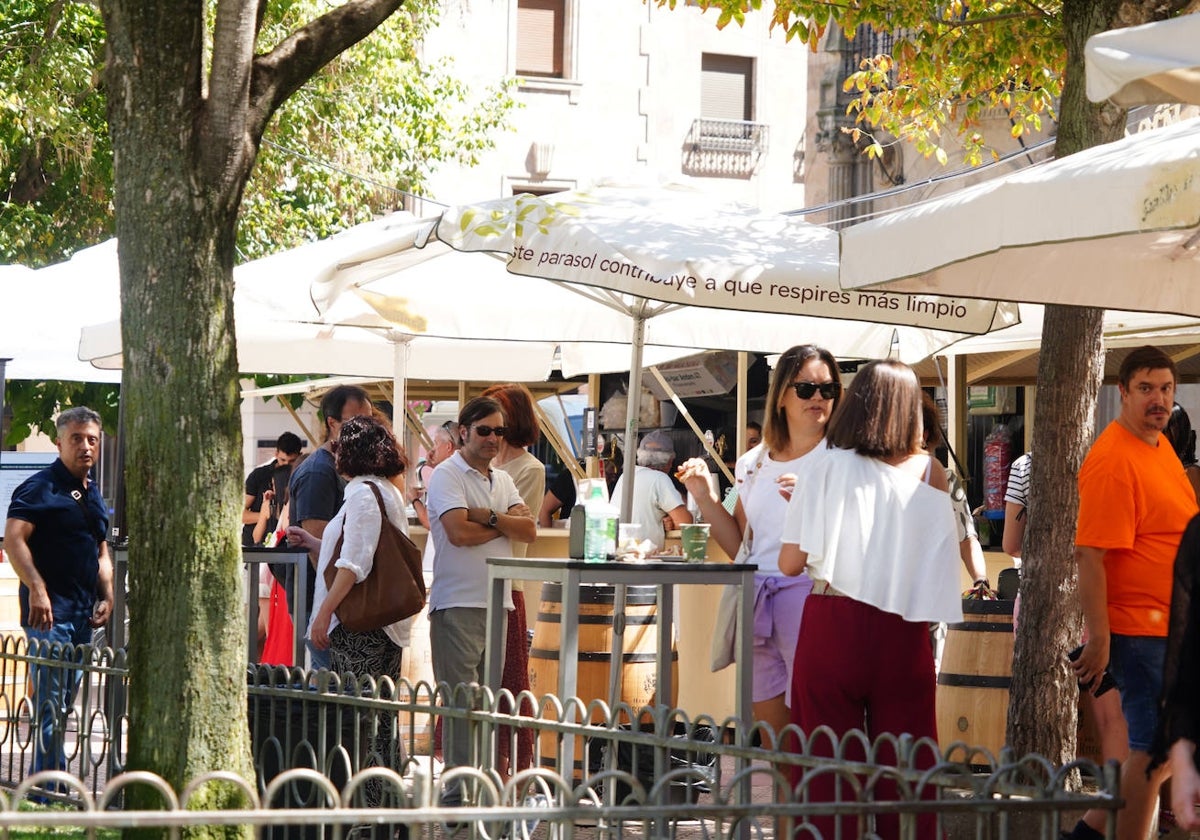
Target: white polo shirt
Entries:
(460, 572)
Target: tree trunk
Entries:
(1043, 700)
(1044, 697)
(181, 161)
(187, 699)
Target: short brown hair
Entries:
(775, 428)
(880, 413)
(334, 402)
(520, 420)
(1146, 357)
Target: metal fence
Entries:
(323, 745)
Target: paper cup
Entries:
(694, 539)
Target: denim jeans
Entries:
(317, 659)
(54, 688)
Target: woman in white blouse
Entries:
(873, 527)
(367, 454)
(804, 391)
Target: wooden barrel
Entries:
(976, 673)
(639, 660)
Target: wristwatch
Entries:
(493, 518)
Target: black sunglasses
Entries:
(487, 431)
(829, 390)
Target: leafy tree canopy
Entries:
(35, 404)
(375, 123)
(372, 125)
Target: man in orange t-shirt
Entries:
(1134, 503)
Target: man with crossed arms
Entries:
(475, 512)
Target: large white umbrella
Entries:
(278, 331)
(44, 310)
(1115, 226)
(638, 267)
(1155, 62)
(1121, 329)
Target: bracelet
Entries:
(984, 581)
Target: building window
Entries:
(726, 87)
(541, 33)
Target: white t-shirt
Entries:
(460, 572)
(878, 534)
(361, 511)
(654, 496)
(765, 508)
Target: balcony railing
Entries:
(729, 148)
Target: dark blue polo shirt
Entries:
(315, 492)
(66, 550)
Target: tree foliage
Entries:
(55, 160)
(374, 124)
(35, 403)
(377, 110)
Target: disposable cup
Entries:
(694, 539)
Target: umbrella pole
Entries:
(617, 660)
(399, 377)
(631, 416)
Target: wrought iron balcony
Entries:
(725, 147)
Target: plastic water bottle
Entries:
(600, 528)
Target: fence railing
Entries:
(334, 753)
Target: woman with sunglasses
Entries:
(873, 526)
(804, 390)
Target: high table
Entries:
(663, 575)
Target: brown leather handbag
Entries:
(395, 587)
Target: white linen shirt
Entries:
(878, 534)
(360, 521)
(460, 572)
(654, 496)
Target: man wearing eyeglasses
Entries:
(475, 513)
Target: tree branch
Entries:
(228, 87)
(281, 72)
(1038, 9)
(980, 20)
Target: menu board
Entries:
(15, 467)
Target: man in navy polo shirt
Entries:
(55, 537)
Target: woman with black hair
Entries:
(1183, 440)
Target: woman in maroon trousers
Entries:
(873, 526)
